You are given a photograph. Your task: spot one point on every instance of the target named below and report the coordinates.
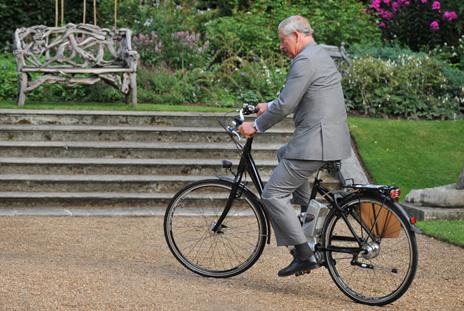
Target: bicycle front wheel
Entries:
(188, 228)
(371, 253)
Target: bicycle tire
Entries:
(386, 270)
(188, 223)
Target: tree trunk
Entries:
(460, 184)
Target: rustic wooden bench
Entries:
(75, 54)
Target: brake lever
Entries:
(233, 131)
(237, 134)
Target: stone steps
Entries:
(134, 150)
(92, 166)
(101, 183)
(127, 133)
(116, 160)
(121, 118)
(84, 199)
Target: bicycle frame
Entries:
(247, 164)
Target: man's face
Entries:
(288, 44)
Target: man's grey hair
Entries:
(295, 24)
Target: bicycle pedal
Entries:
(302, 272)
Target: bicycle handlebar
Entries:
(247, 109)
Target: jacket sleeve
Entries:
(300, 76)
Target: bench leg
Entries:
(133, 89)
(22, 89)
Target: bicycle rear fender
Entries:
(244, 188)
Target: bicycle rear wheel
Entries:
(191, 216)
(378, 268)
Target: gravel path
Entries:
(72, 263)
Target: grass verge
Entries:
(410, 154)
(114, 107)
(451, 231)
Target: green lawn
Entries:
(410, 154)
(449, 231)
(114, 107)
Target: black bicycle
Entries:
(218, 228)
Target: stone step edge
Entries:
(107, 113)
(14, 195)
(232, 112)
(112, 128)
(122, 178)
(131, 145)
(433, 212)
(119, 161)
(82, 212)
(99, 178)
(86, 195)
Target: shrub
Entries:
(419, 23)
(410, 86)
(385, 52)
(453, 54)
(164, 35)
(255, 30)
(245, 46)
(8, 78)
(249, 81)
(162, 86)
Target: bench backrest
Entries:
(71, 46)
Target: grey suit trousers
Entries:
(288, 184)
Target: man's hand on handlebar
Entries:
(262, 108)
(247, 129)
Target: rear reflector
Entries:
(395, 193)
(412, 220)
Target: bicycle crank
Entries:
(363, 265)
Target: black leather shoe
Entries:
(298, 267)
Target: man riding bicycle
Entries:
(313, 93)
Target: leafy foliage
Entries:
(420, 23)
(411, 86)
(224, 52)
(8, 79)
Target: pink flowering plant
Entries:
(419, 23)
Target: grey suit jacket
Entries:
(313, 92)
